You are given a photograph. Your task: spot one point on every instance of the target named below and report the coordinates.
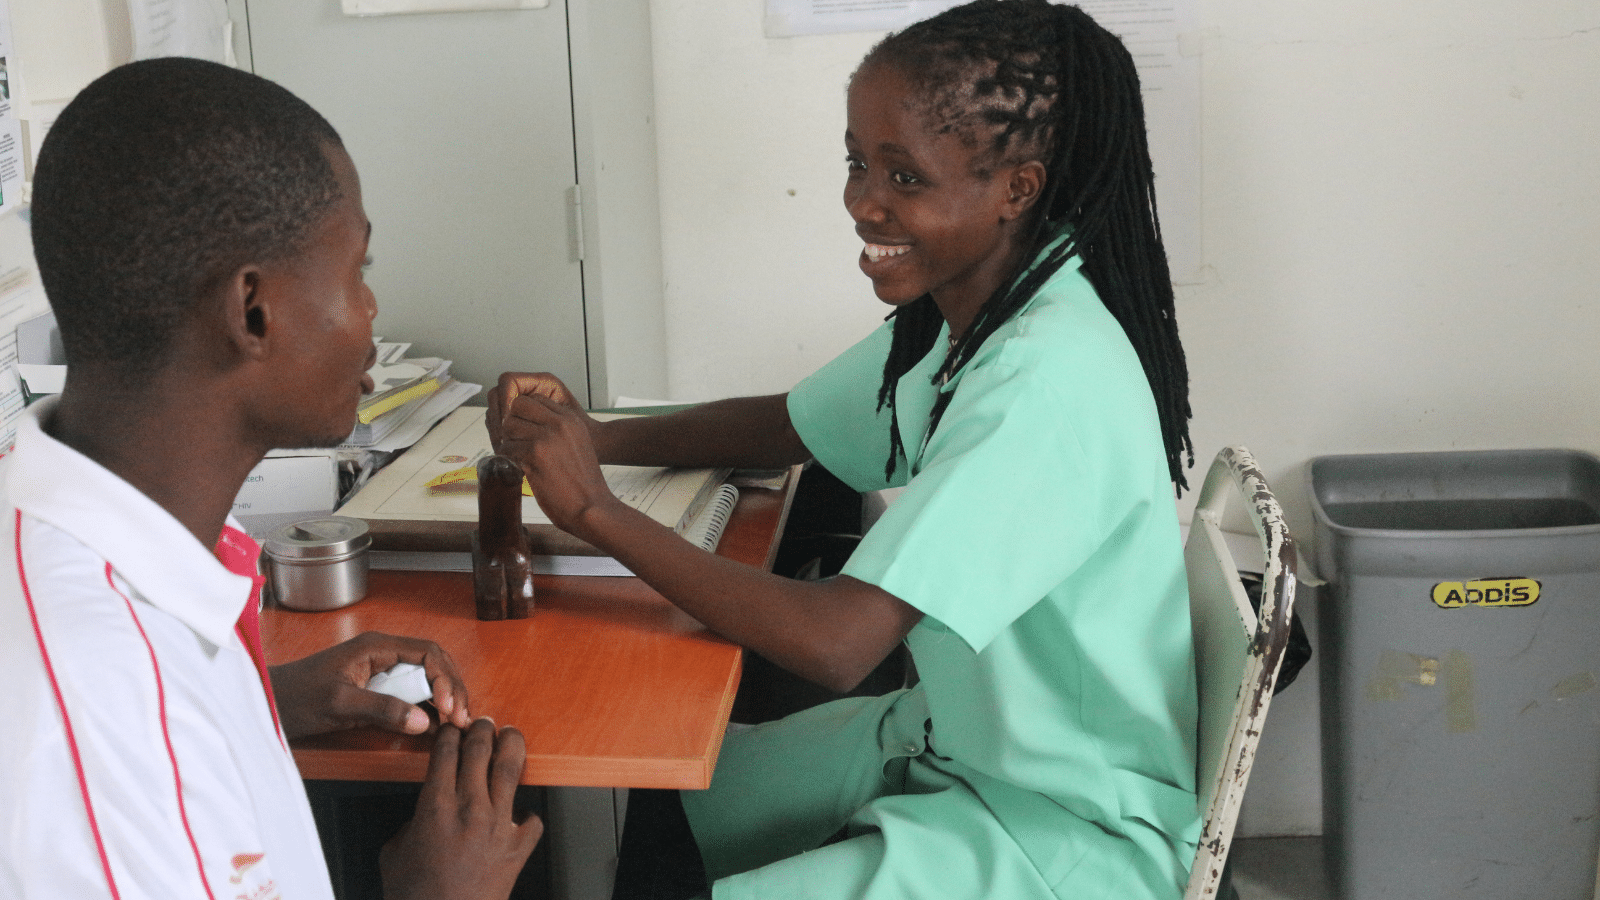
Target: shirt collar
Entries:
(144, 543)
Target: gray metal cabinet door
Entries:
(461, 127)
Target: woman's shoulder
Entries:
(1065, 333)
(1064, 362)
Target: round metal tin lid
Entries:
(323, 538)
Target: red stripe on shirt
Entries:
(166, 733)
(66, 721)
(240, 554)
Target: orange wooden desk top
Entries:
(611, 685)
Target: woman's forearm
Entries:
(832, 632)
(749, 432)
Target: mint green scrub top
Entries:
(1048, 749)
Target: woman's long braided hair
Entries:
(1044, 81)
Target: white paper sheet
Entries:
(1162, 36)
(5, 59)
(403, 7)
(441, 403)
(198, 28)
(790, 18)
(40, 117)
(42, 379)
(11, 165)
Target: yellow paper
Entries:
(464, 480)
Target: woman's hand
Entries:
(516, 384)
(327, 691)
(551, 440)
(464, 842)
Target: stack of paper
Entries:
(399, 383)
(409, 396)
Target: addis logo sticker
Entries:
(1486, 592)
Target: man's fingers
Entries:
(505, 771)
(450, 699)
(477, 747)
(449, 691)
(387, 712)
(375, 652)
(528, 833)
(442, 763)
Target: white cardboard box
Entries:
(287, 486)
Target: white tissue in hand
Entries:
(408, 681)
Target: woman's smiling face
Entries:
(933, 221)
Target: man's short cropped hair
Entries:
(160, 179)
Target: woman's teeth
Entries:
(876, 252)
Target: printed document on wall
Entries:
(40, 117)
(5, 59)
(11, 174)
(198, 28)
(21, 298)
(404, 7)
(1162, 36)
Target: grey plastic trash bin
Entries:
(1461, 652)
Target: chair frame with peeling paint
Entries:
(1237, 650)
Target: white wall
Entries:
(62, 45)
(1401, 229)
(759, 256)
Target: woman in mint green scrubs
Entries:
(1029, 393)
(1051, 735)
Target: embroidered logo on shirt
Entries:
(254, 878)
(242, 863)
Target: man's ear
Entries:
(1024, 185)
(247, 310)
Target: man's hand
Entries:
(464, 842)
(327, 691)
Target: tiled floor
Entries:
(1280, 869)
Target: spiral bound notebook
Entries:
(704, 531)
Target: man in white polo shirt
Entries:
(201, 238)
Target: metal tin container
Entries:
(318, 564)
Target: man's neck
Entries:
(174, 446)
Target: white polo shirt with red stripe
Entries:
(140, 754)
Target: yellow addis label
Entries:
(1488, 592)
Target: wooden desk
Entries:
(611, 685)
